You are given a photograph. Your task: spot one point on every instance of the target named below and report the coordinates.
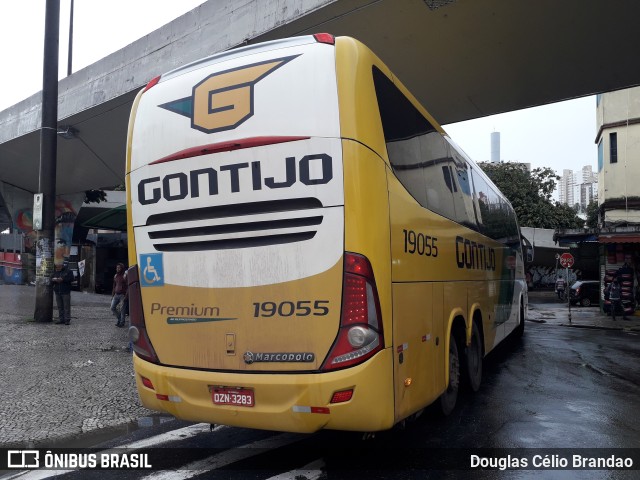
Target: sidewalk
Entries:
(544, 307)
(60, 381)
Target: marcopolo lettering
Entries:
(310, 170)
(473, 255)
(256, 357)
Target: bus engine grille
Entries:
(235, 226)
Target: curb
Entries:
(590, 327)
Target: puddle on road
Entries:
(102, 435)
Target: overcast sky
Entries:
(559, 136)
(99, 28)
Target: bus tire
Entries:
(450, 396)
(473, 360)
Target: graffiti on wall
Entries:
(65, 217)
(543, 277)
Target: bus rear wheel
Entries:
(450, 396)
(473, 360)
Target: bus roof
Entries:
(238, 52)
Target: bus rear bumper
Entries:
(283, 402)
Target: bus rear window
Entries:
(400, 119)
(426, 164)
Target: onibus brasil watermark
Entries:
(35, 459)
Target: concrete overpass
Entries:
(463, 59)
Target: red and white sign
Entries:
(566, 260)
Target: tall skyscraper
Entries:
(587, 175)
(565, 187)
(578, 187)
(495, 147)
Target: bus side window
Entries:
(425, 163)
(446, 174)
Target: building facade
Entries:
(618, 141)
(578, 188)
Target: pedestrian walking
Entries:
(615, 299)
(119, 295)
(61, 280)
(560, 288)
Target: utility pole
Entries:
(45, 244)
(70, 54)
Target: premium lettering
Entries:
(185, 310)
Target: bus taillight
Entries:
(325, 38)
(360, 335)
(152, 83)
(138, 329)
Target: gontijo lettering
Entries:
(179, 185)
(474, 255)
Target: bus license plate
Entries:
(238, 397)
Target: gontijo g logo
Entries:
(224, 100)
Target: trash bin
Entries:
(12, 268)
(13, 275)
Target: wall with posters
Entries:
(19, 203)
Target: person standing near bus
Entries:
(119, 294)
(615, 298)
(560, 288)
(61, 279)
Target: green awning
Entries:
(113, 219)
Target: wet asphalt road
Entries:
(566, 389)
(561, 388)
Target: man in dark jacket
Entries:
(119, 295)
(61, 279)
(615, 299)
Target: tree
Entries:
(95, 196)
(565, 217)
(592, 214)
(530, 195)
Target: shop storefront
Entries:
(620, 257)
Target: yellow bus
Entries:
(309, 249)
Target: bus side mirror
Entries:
(528, 249)
(529, 254)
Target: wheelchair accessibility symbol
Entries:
(152, 272)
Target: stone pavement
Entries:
(60, 382)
